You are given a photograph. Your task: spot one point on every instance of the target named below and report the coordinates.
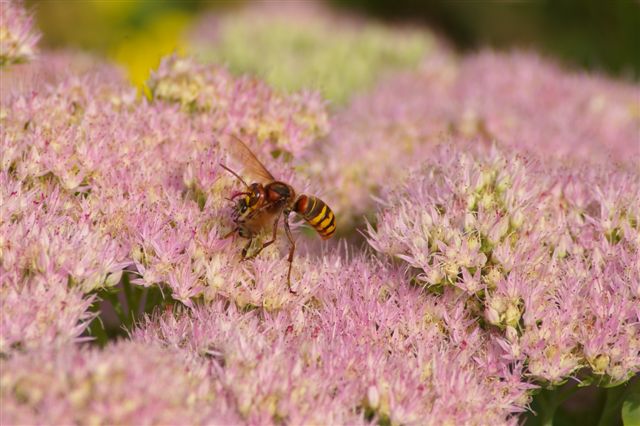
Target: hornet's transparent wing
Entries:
(241, 153)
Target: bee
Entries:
(265, 201)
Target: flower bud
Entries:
(473, 243)
(512, 315)
(487, 201)
(492, 277)
(469, 222)
(503, 183)
(472, 201)
(498, 230)
(451, 269)
(434, 276)
(517, 219)
(188, 177)
(492, 316)
(600, 363)
(373, 397)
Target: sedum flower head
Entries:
(284, 123)
(95, 180)
(542, 252)
(524, 100)
(364, 345)
(511, 100)
(17, 36)
(42, 314)
(125, 383)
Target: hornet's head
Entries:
(249, 201)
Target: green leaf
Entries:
(586, 381)
(545, 405)
(97, 330)
(631, 405)
(609, 382)
(613, 402)
(121, 307)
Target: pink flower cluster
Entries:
(75, 384)
(17, 36)
(284, 124)
(503, 255)
(363, 345)
(543, 253)
(516, 100)
(51, 68)
(525, 101)
(95, 180)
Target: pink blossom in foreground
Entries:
(126, 383)
(363, 345)
(42, 314)
(546, 253)
(48, 261)
(95, 179)
(17, 36)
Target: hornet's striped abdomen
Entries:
(318, 214)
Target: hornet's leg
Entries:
(268, 243)
(233, 231)
(246, 248)
(292, 248)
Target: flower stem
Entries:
(546, 403)
(615, 396)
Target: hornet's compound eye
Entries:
(256, 194)
(242, 206)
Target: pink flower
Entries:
(126, 382)
(512, 100)
(365, 341)
(17, 36)
(42, 314)
(536, 248)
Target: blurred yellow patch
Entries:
(113, 11)
(141, 52)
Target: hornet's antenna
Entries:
(235, 174)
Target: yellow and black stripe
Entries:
(318, 214)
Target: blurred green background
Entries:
(600, 35)
(603, 35)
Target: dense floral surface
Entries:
(516, 100)
(95, 180)
(17, 37)
(546, 253)
(74, 385)
(503, 195)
